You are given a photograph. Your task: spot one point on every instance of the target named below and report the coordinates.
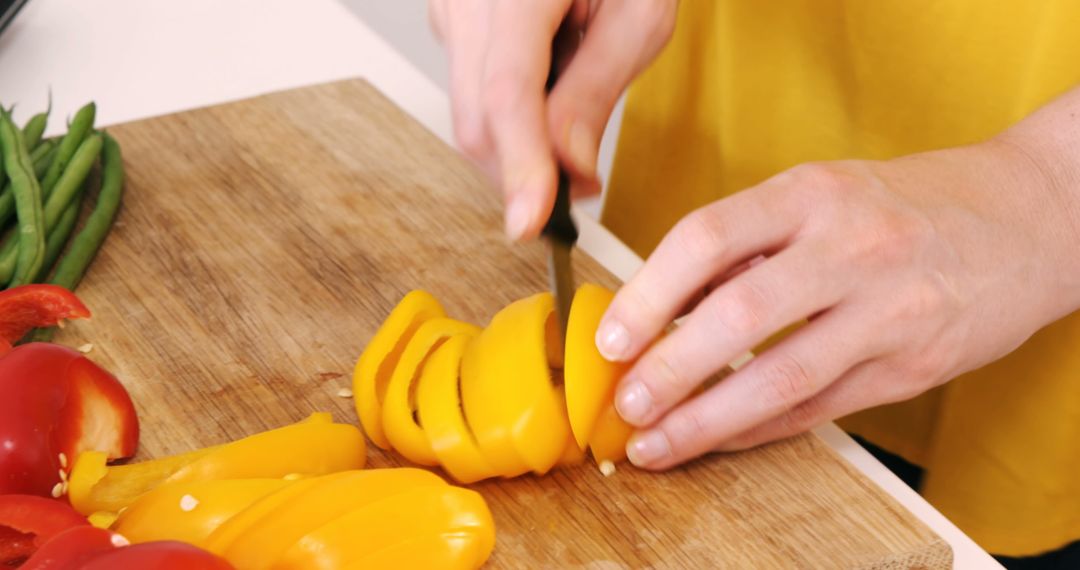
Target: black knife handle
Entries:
(560, 225)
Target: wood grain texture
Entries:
(262, 242)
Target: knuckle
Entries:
(472, 138)
(741, 307)
(892, 238)
(924, 298)
(819, 182)
(658, 16)
(663, 379)
(802, 417)
(636, 309)
(503, 91)
(684, 426)
(701, 235)
(926, 368)
(784, 383)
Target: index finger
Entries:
(515, 73)
(709, 242)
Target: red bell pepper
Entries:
(30, 306)
(91, 548)
(56, 404)
(72, 549)
(28, 522)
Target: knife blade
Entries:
(560, 231)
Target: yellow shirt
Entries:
(747, 89)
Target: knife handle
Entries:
(560, 225)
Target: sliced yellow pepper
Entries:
(507, 391)
(590, 378)
(189, 512)
(376, 365)
(228, 532)
(572, 454)
(439, 407)
(449, 551)
(421, 512)
(398, 407)
(502, 401)
(332, 497)
(609, 437)
(314, 447)
(390, 518)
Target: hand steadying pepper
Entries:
(910, 271)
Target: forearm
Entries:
(1049, 142)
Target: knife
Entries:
(561, 234)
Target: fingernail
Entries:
(517, 218)
(582, 146)
(612, 340)
(634, 403)
(648, 448)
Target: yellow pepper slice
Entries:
(609, 437)
(590, 379)
(376, 365)
(190, 512)
(572, 454)
(507, 391)
(314, 446)
(328, 499)
(448, 551)
(94, 486)
(228, 532)
(438, 403)
(400, 428)
(424, 511)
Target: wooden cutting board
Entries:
(262, 242)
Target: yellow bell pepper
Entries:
(189, 512)
(500, 401)
(507, 390)
(591, 380)
(329, 498)
(439, 407)
(452, 550)
(380, 518)
(439, 511)
(398, 407)
(314, 446)
(609, 436)
(572, 454)
(231, 530)
(375, 366)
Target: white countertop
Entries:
(141, 58)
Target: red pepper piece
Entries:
(56, 404)
(29, 306)
(28, 522)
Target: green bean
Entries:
(35, 127)
(39, 152)
(59, 235)
(85, 245)
(27, 194)
(79, 129)
(41, 157)
(66, 187)
(3, 167)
